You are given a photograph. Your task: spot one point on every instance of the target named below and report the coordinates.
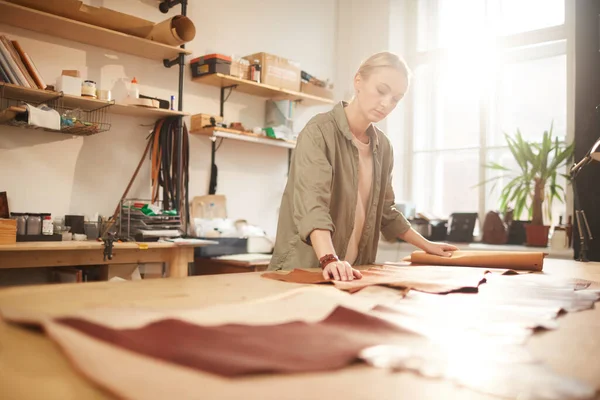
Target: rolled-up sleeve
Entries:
(312, 183)
(393, 223)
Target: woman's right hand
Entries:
(341, 271)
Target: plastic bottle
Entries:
(47, 226)
(257, 70)
(134, 89)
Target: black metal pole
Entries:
(222, 102)
(212, 185)
(179, 190)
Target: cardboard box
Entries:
(315, 90)
(129, 272)
(199, 121)
(69, 85)
(277, 71)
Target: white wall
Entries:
(365, 28)
(51, 172)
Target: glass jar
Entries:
(34, 224)
(88, 88)
(21, 222)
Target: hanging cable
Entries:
(229, 94)
(219, 145)
(165, 166)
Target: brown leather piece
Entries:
(429, 280)
(516, 260)
(235, 349)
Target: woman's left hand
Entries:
(440, 249)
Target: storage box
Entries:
(56, 237)
(199, 121)
(8, 231)
(210, 64)
(315, 90)
(277, 71)
(69, 85)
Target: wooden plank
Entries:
(93, 245)
(61, 258)
(143, 112)
(260, 89)
(16, 92)
(54, 25)
(179, 262)
(244, 136)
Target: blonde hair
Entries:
(383, 59)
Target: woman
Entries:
(339, 193)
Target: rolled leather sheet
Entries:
(520, 261)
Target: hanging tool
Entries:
(166, 165)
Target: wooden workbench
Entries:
(74, 253)
(32, 367)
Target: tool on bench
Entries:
(109, 240)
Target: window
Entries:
(478, 74)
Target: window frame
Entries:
(527, 46)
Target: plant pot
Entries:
(516, 232)
(537, 235)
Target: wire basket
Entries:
(134, 222)
(74, 120)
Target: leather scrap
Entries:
(430, 279)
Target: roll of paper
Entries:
(173, 31)
(523, 261)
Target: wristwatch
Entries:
(327, 259)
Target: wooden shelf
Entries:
(260, 89)
(16, 92)
(54, 25)
(145, 112)
(244, 136)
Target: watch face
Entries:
(4, 205)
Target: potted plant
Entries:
(534, 184)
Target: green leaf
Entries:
(567, 177)
(544, 151)
(496, 166)
(516, 153)
(542, 160)
(520, 205)
(561, 157)
(495, 178)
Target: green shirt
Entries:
(322, 190)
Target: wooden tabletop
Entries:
(94, 245)
(32, 367)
